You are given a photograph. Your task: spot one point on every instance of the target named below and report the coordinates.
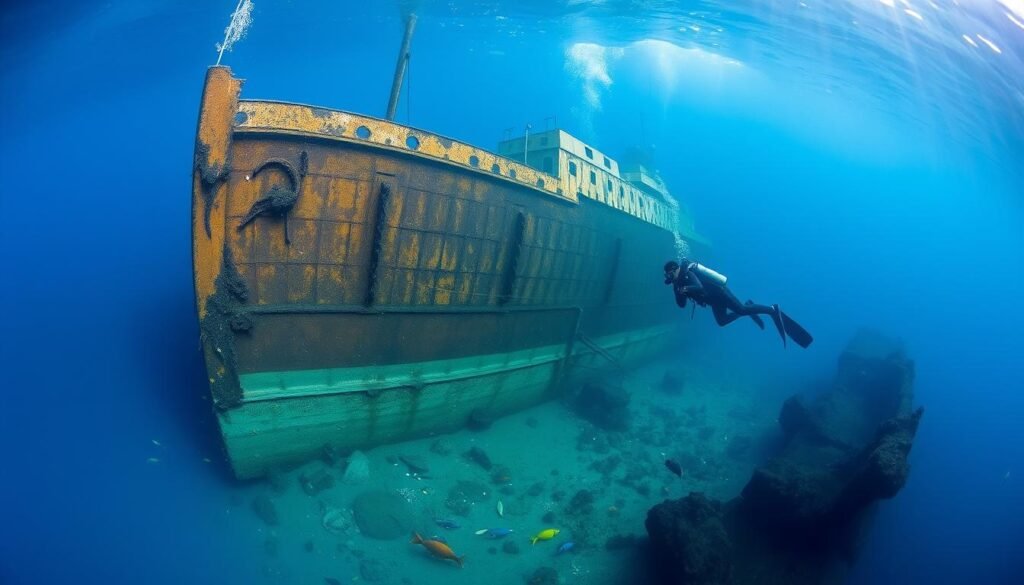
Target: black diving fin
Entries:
(777, 319)
(798, 334)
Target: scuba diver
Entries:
(694, 281)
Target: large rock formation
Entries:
(688, 536)
(800, 516)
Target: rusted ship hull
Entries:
(412, 281)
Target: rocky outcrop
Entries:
(882, 469)
(603, 403)
(800, 517)
(265, 509)
(383, 515)
(842, 451)
(357, 470)
(316, 480)
(690, 541)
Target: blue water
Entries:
(855, 162)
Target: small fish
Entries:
(565, 547)
(447, 524)
(157, 443)
(153, 460)
(438, 549)
(414, 464)
(495, 532)
(674, 467)
(501, 509)
(546, 534)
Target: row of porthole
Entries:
(413, 143)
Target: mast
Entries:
(400, 66)
(526, 144)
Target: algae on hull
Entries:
(223, 318)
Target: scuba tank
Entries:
(706, 273)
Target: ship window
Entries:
(474, 160)
(609, 184)
(512, 173)
(590, 153)
(363, 132)
(496, 169)
(412, 142)
(593, 178)
(241, 118)
(572, 168)
(540, 183)
(622, 192)
(607, 163)
(547, 164)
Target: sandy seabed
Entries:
(551, 469)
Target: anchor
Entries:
(280, 200)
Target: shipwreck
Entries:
(360, 282)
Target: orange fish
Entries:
(438, 549)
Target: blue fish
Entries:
(495, 532)
(447, 524)
(566, 547)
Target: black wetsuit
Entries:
(688, 284)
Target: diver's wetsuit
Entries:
(687, 284)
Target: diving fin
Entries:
(798, 334)
(777, 318)
(757, 318)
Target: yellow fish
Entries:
(547, 534)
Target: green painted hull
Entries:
(290, 416)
